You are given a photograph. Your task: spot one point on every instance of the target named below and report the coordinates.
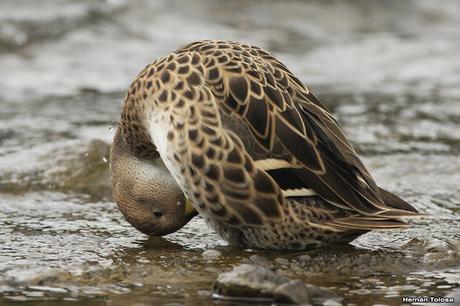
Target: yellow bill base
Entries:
(189, 209)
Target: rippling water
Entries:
(389, 70)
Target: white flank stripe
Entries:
(273, 163)
(302, 192)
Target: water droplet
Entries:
(86, 154)
(50, 187)
(114, 123)
(104, 159)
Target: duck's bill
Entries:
(189, 210)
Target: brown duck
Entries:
(228, 129)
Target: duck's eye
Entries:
(158, 214)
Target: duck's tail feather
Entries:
(402, 208)
(386, 219)
(366, 223)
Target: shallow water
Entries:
(389, 71)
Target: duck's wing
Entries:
(317, 158)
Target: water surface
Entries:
(389, 71)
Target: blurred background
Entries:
(388, 70)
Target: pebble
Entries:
(304, 258)
(293, 292)
(211, 254)
(258, 260)
(282, 261)
(248, 281)
(331, 303)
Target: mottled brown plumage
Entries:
(258, 155)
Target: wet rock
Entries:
(294, 266)
(252, 281)
(293, 292)
(68, 166)
(88, 173)
(257, 259)
(249, 281)
(304, 258)
(331, 303)
(211, 254)
(282, 261)
(76, 166)
(437, 246)
(261, 261)
(321, 295)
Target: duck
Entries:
(225, 130)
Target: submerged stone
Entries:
(331, 303)
(255, 282)
(211, 254)
(320, 295)
(249, 281)
(293, 292)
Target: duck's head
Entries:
(146, 193)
